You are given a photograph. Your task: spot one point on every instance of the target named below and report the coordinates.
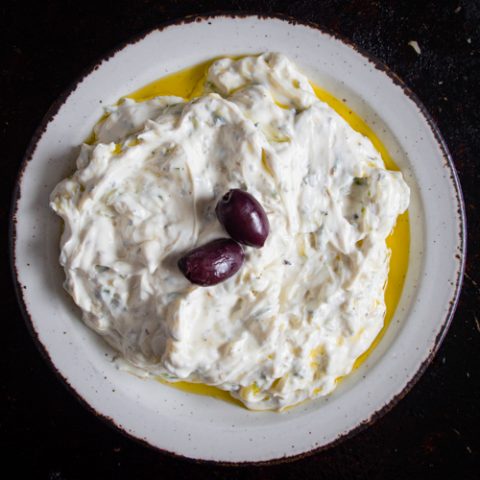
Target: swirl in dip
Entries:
(305, 306)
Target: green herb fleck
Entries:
(360, 181)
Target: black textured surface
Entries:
(46, 433)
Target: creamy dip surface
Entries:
(305, 306)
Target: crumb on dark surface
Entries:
(46, 433)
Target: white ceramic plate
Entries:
(202, 427)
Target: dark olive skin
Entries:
(213, 262)
(243, 218)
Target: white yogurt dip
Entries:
(305, 306)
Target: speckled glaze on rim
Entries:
(200, 427)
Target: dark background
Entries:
(46, 433)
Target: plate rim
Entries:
(56, 105)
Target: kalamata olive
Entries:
(243, 217)
(213, 262)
